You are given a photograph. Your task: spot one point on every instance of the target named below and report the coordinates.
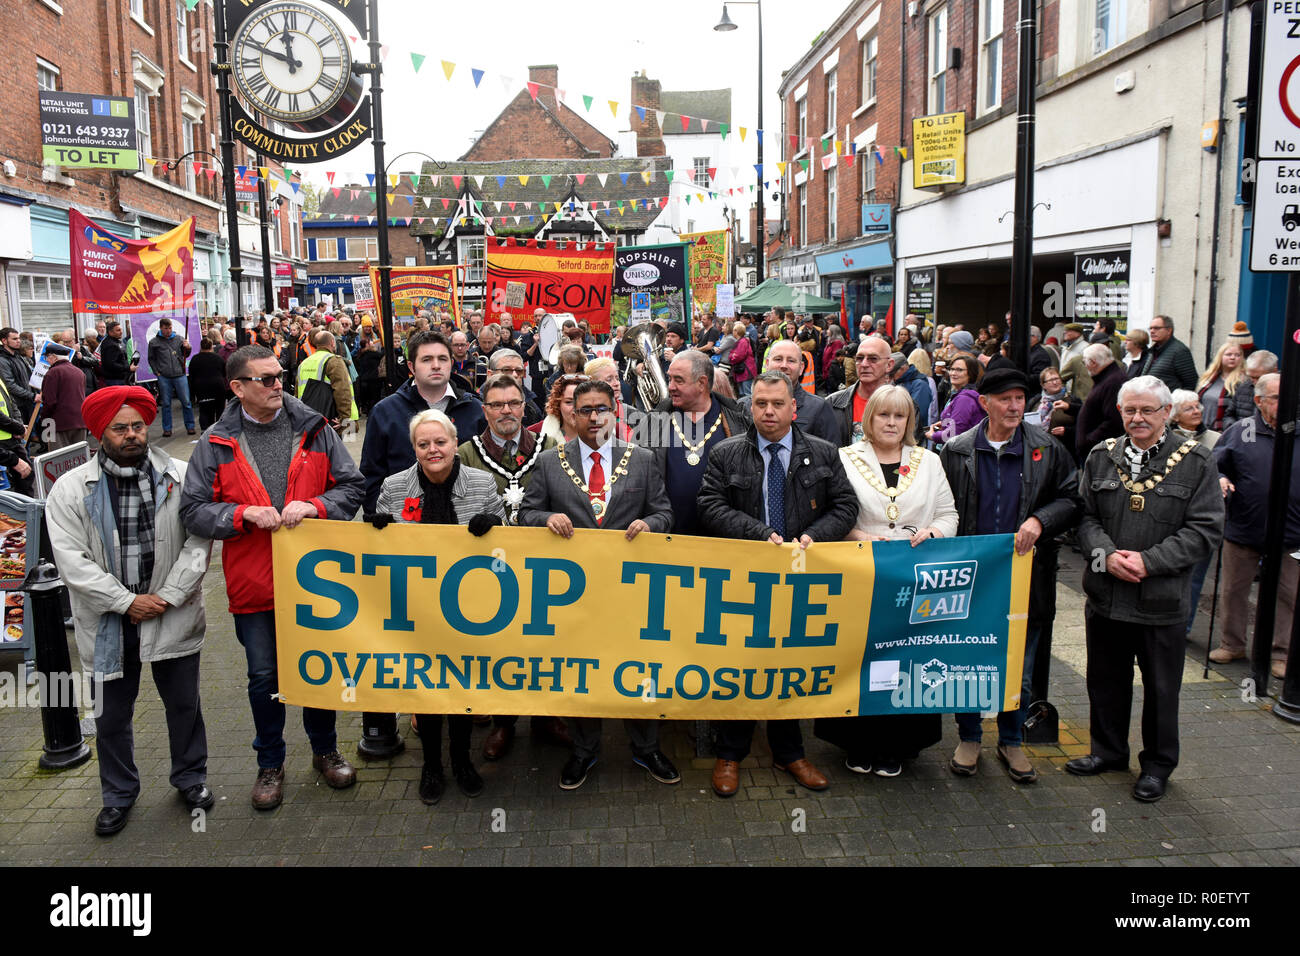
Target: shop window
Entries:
(867, 91)
(44, 302)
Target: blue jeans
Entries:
(1011, 723)
(179, 387)
(256, 632)
(746, 387)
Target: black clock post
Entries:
(221, 70)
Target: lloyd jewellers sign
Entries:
(1101, 283)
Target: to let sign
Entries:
(87, 131)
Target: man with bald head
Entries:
(813, 414)
(872, 361)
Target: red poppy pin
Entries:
(519, 459)
(904, 469)
(412, 511)
(1037, 455)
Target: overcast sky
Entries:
(597, 52)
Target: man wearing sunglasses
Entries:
(269, 462)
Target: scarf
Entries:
(1137, 458)
(133, 511)
(436, 504)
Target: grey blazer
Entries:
(474, 492)
(638, 494)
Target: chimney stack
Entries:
(649, 138)
(547, 77)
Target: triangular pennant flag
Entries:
(478, 181)
(415, 180)
(507, 83)
(560, 94)
(699, 197)
(839, 148)
(804, 164)
(581, 177)
(602, 177)
(370, 179)
(456, 181)
(383, 51)
(392, 180)
(557, 207)
(296, 187)
(447, 67)
(512, 206)
(640, 111)
(659, 118)
(446, 203)
(523, 180)
(242, 172)
(645, 176)
(828, 161)
(781, 167)
(372, 195)
(848, 160)
(688, 200)
(488, 221)
(901, 150)
(686, 121)
(546, 182)
(353, 193)
(623, 177)
(713, 172)
(501, 182)
(826, 144)
(613, 108)
(408, 220)
(433, 180)
(742, 132)
(880, 160)
(758, 169)
(417, 61)
(478, 75)
(410, 200)
(704, 125)
(532, 90)
(668, 174)
(212, 174)
(586, 102)
(264, 172)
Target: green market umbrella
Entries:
(771, 293)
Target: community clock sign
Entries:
(291, 62)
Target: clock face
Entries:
(291, 62)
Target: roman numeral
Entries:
(291, 20)
(272, 99)
(256, 82)
(251, 62)
(293, 103)
(327, 80)
(315, 100)
(328, 39)
(332, 61)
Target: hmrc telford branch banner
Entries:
(427, 619)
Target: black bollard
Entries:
(1287, 705)
(64, 746)
(379, 740)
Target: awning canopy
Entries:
(771, 293)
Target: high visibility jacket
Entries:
(314, 367)
(4, 410)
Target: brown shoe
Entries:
(338, 773)
(268, 791)
(726, 778)
(804, 772)
(965, 759)
(1221, 655)
(498, 743)
(554, 731)
(1278, 669)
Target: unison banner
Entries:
(116, 276)
(430, 619)
(423, 287)
(523, 275)
(709, 256)
(660, 271)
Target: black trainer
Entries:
(575, 771)
(432, 784)
(658, 766)
(467, 778)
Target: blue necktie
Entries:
(775, 490)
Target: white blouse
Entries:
(927, 502)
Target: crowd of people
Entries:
(779, 428)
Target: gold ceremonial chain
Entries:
(597, 501)
(1136, 500)
(904, 481)
(693, 458)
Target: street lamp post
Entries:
(725, 25)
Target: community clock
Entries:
(291, 62)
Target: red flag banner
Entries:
(544, 276)
(116, 276)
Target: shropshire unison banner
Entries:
(429, 619)
(424, 287)
(524, 275)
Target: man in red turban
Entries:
(101, 405)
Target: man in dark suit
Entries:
(775, 483)
(574, 485)
(810, 411)
(1099, 417)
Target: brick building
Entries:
(343, 236)
(155, 52)
(1121, 178)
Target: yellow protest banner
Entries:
(430, 619)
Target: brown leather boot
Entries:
(726, 778)
(338, 773)
(498, 743)
(554, 731)
(804, 772)
(268, 791)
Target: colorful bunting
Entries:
(417, 61)
(447, 67)
(478, 75)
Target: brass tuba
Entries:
(644, 342)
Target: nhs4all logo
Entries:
(943, 592)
